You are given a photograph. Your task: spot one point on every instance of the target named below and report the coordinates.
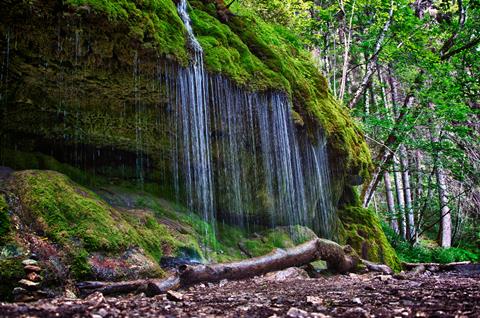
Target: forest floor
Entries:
(450, 294)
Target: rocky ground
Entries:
(452, 294)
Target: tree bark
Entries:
(400, 197)
(372, 64)
(339, 259)
(407, 193)
(390, 202)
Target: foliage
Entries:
(4, 220)
(11, 271)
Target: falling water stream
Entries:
(239, 155)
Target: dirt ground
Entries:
(451, 294)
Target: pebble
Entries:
(29, 285)
(32, 268)
(174, 296)
(29, 262)
(34, 277)
(297, 313)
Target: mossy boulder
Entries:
(361, 229)
(88, 232)
(4, 220)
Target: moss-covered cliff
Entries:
(85, 82)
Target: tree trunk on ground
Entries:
(340, 259)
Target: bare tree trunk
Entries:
(372, 65)
(446, 224)
(400, 196)
(410, 222)
(445, 233)
(390, 201)
(347, 43)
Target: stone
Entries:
(32, 268)
(174, 296)
(314, 300)
(356, 312)
(70, 294)
(384, 278)
(29, 262)
(96, 298)
(28, 284)
(357, 301)
(297, 313)
(34, 277)
(287, 274)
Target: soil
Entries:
(451, 294)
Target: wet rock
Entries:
(28, 284)
(287, 274)
(174, 296)
(29, 262)
(32, 269)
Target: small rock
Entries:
(384, 278)
(96, 316)
(223, 282)
(314, 300)
(29, 262)
(297, 313)
(96, 298)
(34, 277)
(289, 273)
(32, 269)
(102, 312)
(357, 312)
(357, 301)
(29, 285)
(34, 256)
(69, 294)
(174, 296)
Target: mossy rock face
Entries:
(89, 233)
(361, 229)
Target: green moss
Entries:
(263, 56)
(11, 271)
(79, 267)
(361, 229)
(4, 220)
(152, 21)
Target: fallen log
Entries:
(112, 288)
(374, 267)
(434, 267)
(339, 259)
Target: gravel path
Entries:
(430, 295)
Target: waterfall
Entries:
(237, 156)
(193, 127)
